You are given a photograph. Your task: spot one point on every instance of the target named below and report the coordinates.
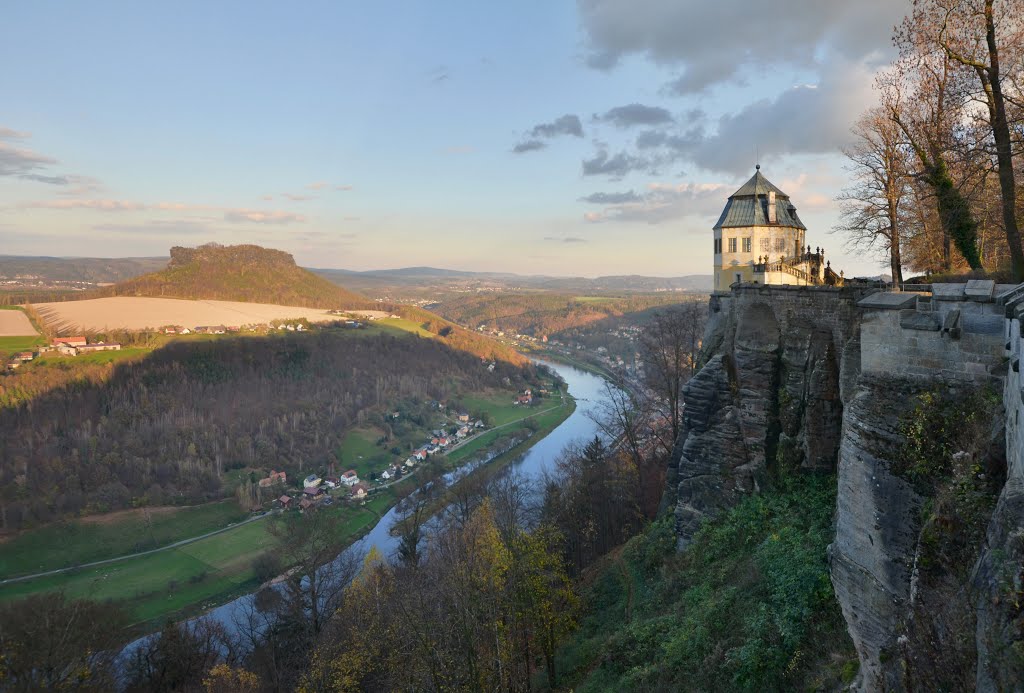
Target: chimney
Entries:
(771, 208)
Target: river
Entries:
(588, 390)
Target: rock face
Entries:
(930, 579)
(877, 525)
(768, 395)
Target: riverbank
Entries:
(194, 576)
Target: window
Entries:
(718, 246)
(732, 245)
(766, 245)
(780, 245)
(746, 245)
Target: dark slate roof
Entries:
(748, 206)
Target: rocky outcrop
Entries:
(768, 395)
(877, 525)
(928, 568)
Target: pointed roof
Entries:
(748, 206)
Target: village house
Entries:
(312, 492)
(99, 346)
(274, 478)
(210, 329)
(68, 341)
(359, 491)
(311, 481)
(463, 418)
(350, 478)
(285, 502)
(385, 475)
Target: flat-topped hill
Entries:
(247, 273)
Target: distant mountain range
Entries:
(419, 277)
(112, 270)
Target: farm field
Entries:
(98, 537)
(14, 323)
(137, 313)
(211, 569)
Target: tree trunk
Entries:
(1001, 134)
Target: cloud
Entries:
(259, 216)
(568, 124)
(17, 161)
(602, 198)
(298, 198)
(322, 184)
(528, 146)
(159, 226)
(566, 239)
(617, 166)
(662, 202)
(238, 215)
(439, 74)
(100, 205)
(9, 134)
(803, 119)
(714, 42)
(635, 114)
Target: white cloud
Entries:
(665, 202)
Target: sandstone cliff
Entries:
(928, 558)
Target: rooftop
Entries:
(748, 206)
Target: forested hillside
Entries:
(165, 429)
(542, 314)
(238, 273)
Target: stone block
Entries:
(912, 320)
(889, 300)
(948, 292)
(1004, 291)
(980, 290)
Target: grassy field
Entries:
(199, 574)
(498, 404)
(359, 451)
(75, 542)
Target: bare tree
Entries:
(973, 34)
(313, 544)
(872, 205)
(669, 348)
(918, 96)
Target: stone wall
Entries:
(906, 343)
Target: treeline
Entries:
(935, 180)
(164, 429)
(540, 314)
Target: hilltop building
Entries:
(760, 239)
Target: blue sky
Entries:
(600, 137)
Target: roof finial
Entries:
(757, 167)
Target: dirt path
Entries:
(126, 557)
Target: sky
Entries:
(590, 138)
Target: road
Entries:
(182, 542)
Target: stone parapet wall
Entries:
(973, 355)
